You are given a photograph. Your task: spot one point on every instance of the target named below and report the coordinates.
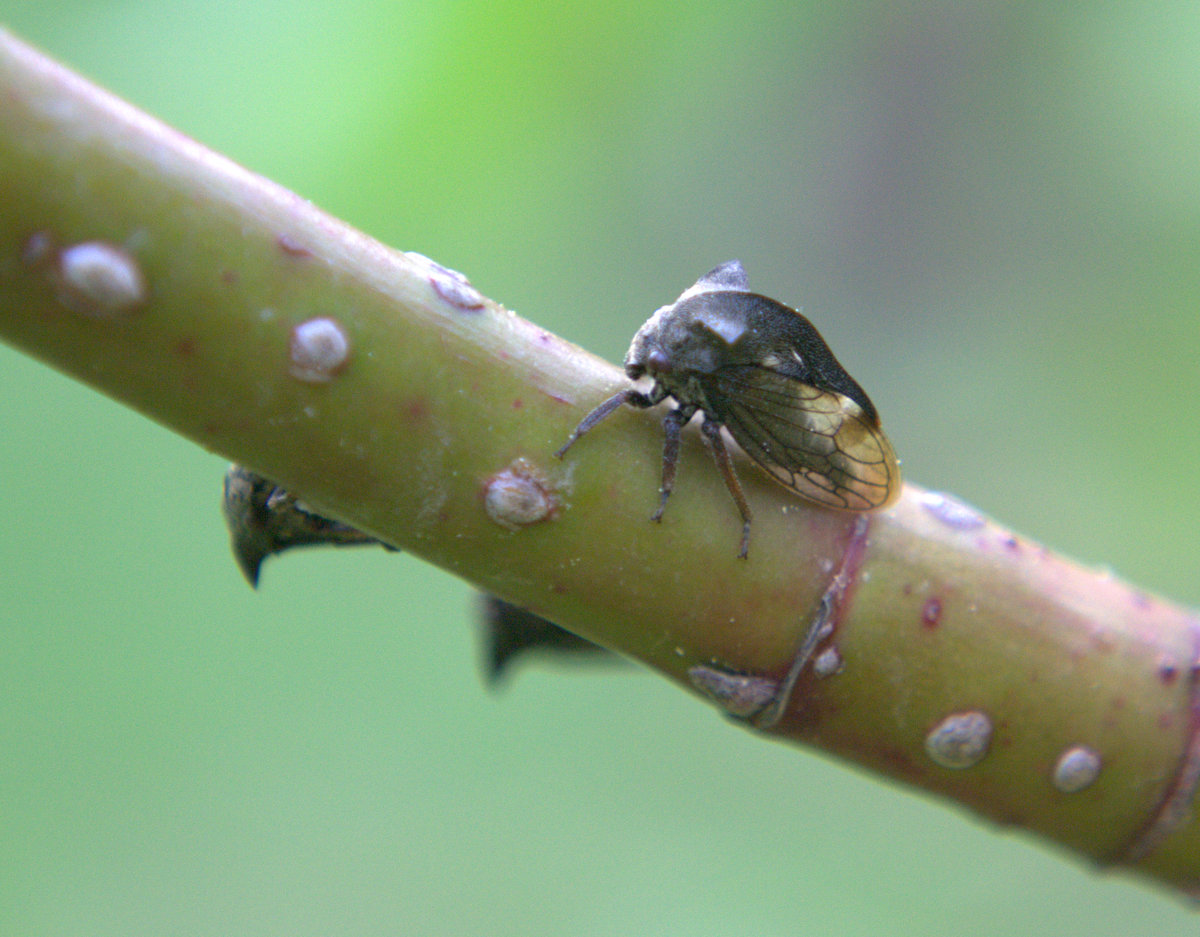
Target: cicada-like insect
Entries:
(762, 371)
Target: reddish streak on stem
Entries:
(836, 598)
(1176, 806)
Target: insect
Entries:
(762, 371)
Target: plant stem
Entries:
(949, 653)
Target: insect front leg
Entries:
(711, 433)
(635, 398)
(673, 422)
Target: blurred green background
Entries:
(992, 212)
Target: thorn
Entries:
(264, 519)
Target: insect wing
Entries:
(818, 443)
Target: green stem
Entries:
(436, 435)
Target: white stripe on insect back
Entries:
(729, 328)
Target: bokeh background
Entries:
(990, 209)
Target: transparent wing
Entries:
(818, 443)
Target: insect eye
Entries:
(658, 362)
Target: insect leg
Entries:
(635, 398)
(673, 422)
(711, 433)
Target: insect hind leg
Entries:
(711, 433)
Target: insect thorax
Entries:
(687, 389)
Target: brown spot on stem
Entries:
(415, 410)
(931, 612)
(293, 248)
(900, 761)
(37, 249)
